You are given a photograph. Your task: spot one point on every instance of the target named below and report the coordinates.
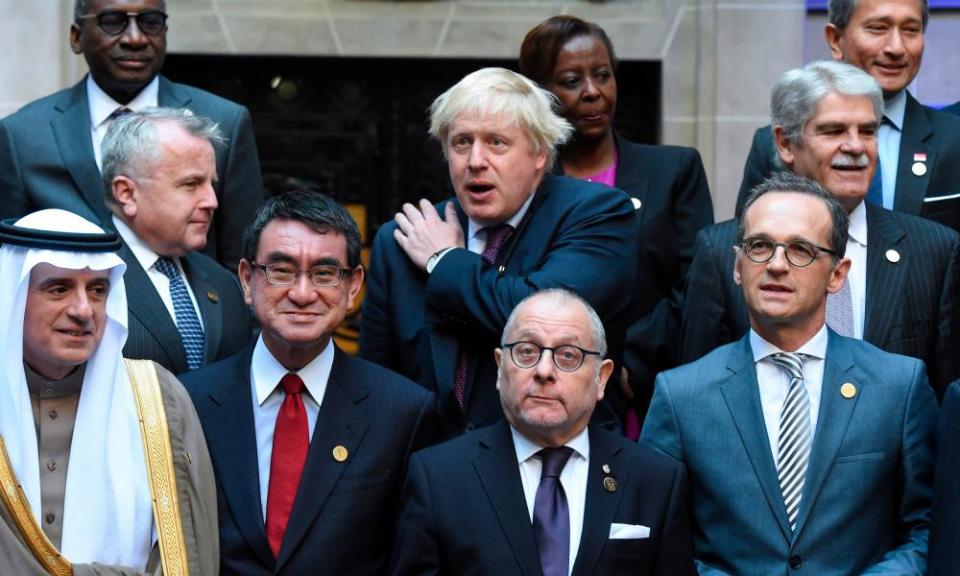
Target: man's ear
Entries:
(838, 275)
(833, 36)
(75, 32)
(124, 196)
(783, 144)
(245, 272)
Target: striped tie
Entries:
(794, 450)
(188, 324)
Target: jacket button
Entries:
(795, 562)
(469, 427)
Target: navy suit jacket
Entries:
(945, 526)
(934, 195)
(953, 109)
(153, 333)
(575, 235)
(911, 306)
(866, 497)
(344, 513)
(464, 511)
(47, 161)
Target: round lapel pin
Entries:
(340, 453)
(919, 168)
(610, 484)
(636, 203)
(848, 390)
(893, 255)
(213, 296)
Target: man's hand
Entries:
(421, 232)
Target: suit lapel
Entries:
(911, 188)
(632, 176)
(235, 452)
(340, 422)
(170, 95)
(71, 129)
(500, 476)
(742, 395)
(885, 279)
(601, 505)
(208, 300)
(835, 413)
(147, 306)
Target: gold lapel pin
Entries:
(848, 390)
(610, 484)
(340, 453)
(605, 468)
(213, 296)
(893, 256)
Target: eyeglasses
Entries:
(799, 253)
(320, 276)
(568, 358)
(114, 22)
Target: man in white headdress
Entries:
(90, 441)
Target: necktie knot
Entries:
(791, 363)
(554, 459)
(119, 112)
(292, 384)
(496, 238)
(166, 267)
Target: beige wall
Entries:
(720, 58)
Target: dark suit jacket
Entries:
(911, 304)
(952, 109)
(344, 513)
(935, 195)
(575, 235)
(464, 511)
(866, 496)
(47, 161)
(944, 558)
(153, 332)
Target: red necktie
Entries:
(291, 440)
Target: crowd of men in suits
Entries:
(796, 431)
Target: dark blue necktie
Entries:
(875, 192)
(188, 324)
(551, 516)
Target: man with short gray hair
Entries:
(918, 147)
(443, 279)
(159, 174)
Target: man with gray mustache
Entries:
(904, 274)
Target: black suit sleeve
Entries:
(759, 164)
(416, 548)
(944, 555)
(377, 343)
(704, 325)
(676, 553)
(13, 202)
(241, 190)
(947, 365)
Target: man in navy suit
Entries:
(159, 172)
(443, 280)
(808, 452)
(50, 149)
(309, 445)
(945, 524)
(905, 270)
(543, 492)
(919, 147)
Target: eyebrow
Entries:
(282, 257)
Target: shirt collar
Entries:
(145, 256)
(526, 448)
(473, 228)
(267, 372)
(102, 105)
(815, 347)
(858, 224)
(895, 109)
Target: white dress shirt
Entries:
(147, 259)
(774, 382)
(888, 144)
(102, 106)
(857, 277)
(265, 375)
(573, 479)
(477, 233)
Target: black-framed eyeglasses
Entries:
(114, 22)
(799, 253)
(568, 358)
(322, 276)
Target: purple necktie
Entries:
(496, 238)
(551, 516)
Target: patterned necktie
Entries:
(794, 452)
(875, 192)
(840, 311)
(496, 238)
(188, 324)
(291, 440)
(551, 516)
(119, 112)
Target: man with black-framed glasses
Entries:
(50, 150)
(808, 452)
(309, 444)
(905, 271)
(543, 491)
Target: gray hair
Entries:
(791, 183)
(839, 12)
(561, 297)
(82, 8)
(130, 145)
(501, 92)
(796, 95)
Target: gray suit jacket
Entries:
(153, 333)
(866, 499)
(47, 161)
(934, 194)
(910, 304)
